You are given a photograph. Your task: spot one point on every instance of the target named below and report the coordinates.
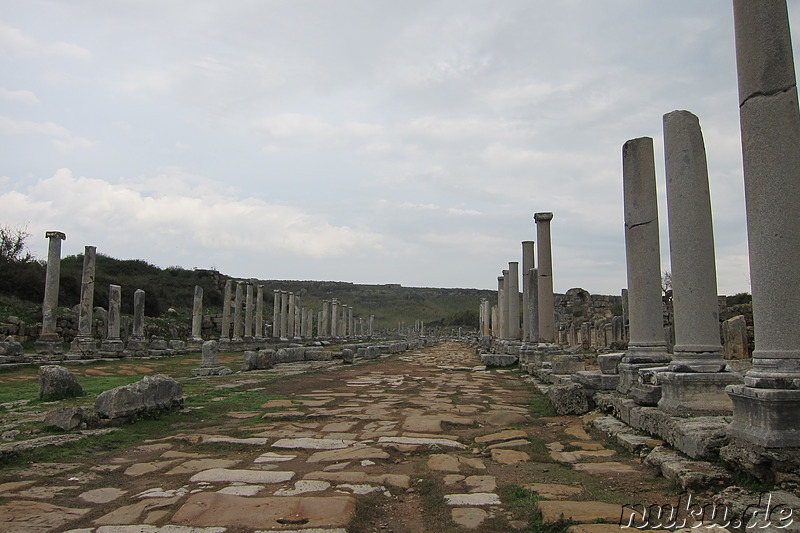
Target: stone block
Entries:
(348, 356)
(56, 383)
(69, 418)
(595, 380)
(317, 355)
(734, 338)
(567, 364)
(260, 360)
(645, 394)
(290, 355)
(766, 417)
(493, 360)
(696, 394)
(151, 393)
(609, 362)
(570, 399)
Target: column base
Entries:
(696, 361)
(137, 346)
(696, 393)
(194, 344)
(49, 346)
(647, 354)
(629, 374)
(82, 347)
(112, 348)
(766, 417)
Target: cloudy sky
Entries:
(371, 141)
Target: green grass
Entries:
(538, 404)
(521, 503)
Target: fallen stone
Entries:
(507, 435)
(260, 360)
(396, 480)
(307, 443)
(56, 383)
(214, 509)
(69, 418)
(421, 442)
(150, 394)
(347, 454)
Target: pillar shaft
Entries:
(527, 265)
(276, 313)
(770, 124)
(248, 312)
(50, 304)
(259, 312)
(501, 308)
(197, 313)
(292, 318)
(284, 314)
(237, 312)
(547, 324)
(226, 311)
(691, 244)
(646, 343)
(87, 292)
(138, 314)
(114, 301)
(512, 300)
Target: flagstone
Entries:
(353, 453)
(610, 467)
(272, 457)
(588, 445)
(197, 465)
(277, 403)
(509, 457)
(510, 444)
(282, 414)
(481, 483)
(452, 479)
(501, 436)
(579, 511)
(34, 516)
(172, 454)
(304, 485)
(337, 466)
(469, 517)
(11, 486)
(305, 443)
(140, 469)
(339, 427)
(129, 514)
(256, 477)
(102, 495)
(574, 457)
(553, 491)
(241, 415)
(578, 432)
(251, 441)
(473, 498)
(207, 509)
(242, 490)
(444, 463)
(449, 443)
(402, 481)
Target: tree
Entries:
(12, 245)
(666, 282)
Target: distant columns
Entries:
(527, 265)
(49, 342)
(547, 326)
(248, 313)
(259, 312)
(237, 312)
(766, 410)
(691, 241)
(284, 315)
(371, 325)
(290, 332)
(197, 314)
(501, 306)
(334, 318)
(646, 343)
(512, 299)
(226, 311)
(324, 328)
(350, 322)
(276, 313)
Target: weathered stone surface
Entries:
(69, 418)
(103, 495)
(215, 509)
(645, 394)
(608, 468)
(30, 516)
(609, 362)
(308, 443)
(553, 511)
(734, 338)
(347, 454)
(569, 399)
(553, 491)
(501, 436)
(596, 380)
(421, 441)
(260, 360)
(469, 517)
(56, 382)
(402, 481)
(509, 457)
(151, 393)
(256, 477)
(495, 360)
(473, 498)
(348, 356)
(290, 355)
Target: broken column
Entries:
(646, 345)
(284, 315)
(248, 313)
(84, 345)
(512, 300)
(501, 305)
(547, 323)
(237, 313)
(49, 342)
(112, 345)
(259, 333)
(225, 334)
(209, 364)
(324, 328)
(766, 409)
(137, 344)
(527, 265)
(290, 320)
(196, 339)
(695, 383)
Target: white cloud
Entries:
(22, 96)
(15, 39)
(63, 140)
(70, 50)
(295, 126)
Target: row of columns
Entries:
(537, 304)
(247, 317)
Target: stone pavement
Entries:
(406, 438)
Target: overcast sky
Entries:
(370, 141)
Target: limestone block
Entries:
(290, 355)
(734, 338)
(69, 418)
(318, 355)
(645, 394)
(348, 356)
(566, 364)
(699, 393)
(490, 359)
(609, 362)
(151, 393)
(56, 382)
(569, 399)
(595, 380)
(260, 360)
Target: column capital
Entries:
(542, 217)
(55, 235)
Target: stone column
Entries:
(248, 313)
(691, 244)
(291, 317)
(766, 410)
(238, 304)
(371, 325)
(512, 300)
(276, 313)
(501, 306)
(284, 315)
(225, 334)
(311, 324)
(197, 317)
(113, 344)
(527, 265)
(49, 341)
(547, 324)
(335, 318)
(324, 328)
(533, 280)
(646, 345)
(84, 343)
(137, 344)
(350, 322)
(259, 312)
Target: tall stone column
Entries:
(371, 325)
(276, 313)
(291, 317)
(646, 345)
(512, 300)
(547, 323)
(248, 313)
(259, 333)
(112, 345)
(238, 304)
(225, 334)
(766, 409)
(501, 307)
(197, 317)
(335, 318)
(533, 280)
(695, 383)
(84, 344)
(527, 265)
(311, 324)
(324, 328)
(284, 315)
(350, 323)
(137, 344)
(49, 341)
